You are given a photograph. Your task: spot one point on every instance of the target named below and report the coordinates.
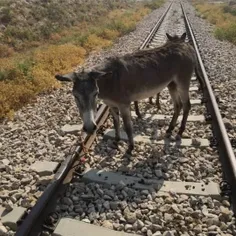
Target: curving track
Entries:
(165, 187)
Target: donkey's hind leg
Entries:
(184, 96)
(150, 100)
(116, 120)
(137, 110)
(177, 107)
(158, 101)
(126, 116)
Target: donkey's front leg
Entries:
(126, 116)
(137, 110)
(116, 121)
(150, 100)
(158, 101)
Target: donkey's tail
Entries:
(200, 76)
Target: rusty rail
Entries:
(33, 222)
(155, 29)
(32, 225)
(225, 149)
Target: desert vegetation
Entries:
(223, 15)
(41, 38)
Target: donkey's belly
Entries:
(145, 92)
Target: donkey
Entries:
(197, 71)
(132, 77)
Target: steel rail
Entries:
(38, 210)
(32, 224)
(225, 149)
(155, 29)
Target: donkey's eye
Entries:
(95, 94)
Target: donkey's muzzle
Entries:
(90, 129)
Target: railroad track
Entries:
(150, 192)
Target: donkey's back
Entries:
(145, 73)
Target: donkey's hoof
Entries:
(115, 145)
(128, 152)
(139, 116)
(168, 134)
(178, 137)
(130, 149)
(117, 139)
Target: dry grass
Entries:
(221, 15)
(95, 42)
(24, 75)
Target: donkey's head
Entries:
(176, 38)
(85, 91)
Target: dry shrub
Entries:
(17, 92)
(140, 13)
(154, 4)
(34, 44)
(22, 78)
(109, 34)
(95, 42)
(224, 21)
(13, 95)
(115, 14)
(9, 69)
(59, 58)
(5, 51)
(43, 80)
(125, 21)
(65, 32)
(55, 36)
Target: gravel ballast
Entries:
(37, 134)
(38, 131)
(148, 212)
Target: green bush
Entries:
(24, 75)
(39, 20)
(154, 4)
(227, 33)
(5, 15)
(23, 34)
(230, 9)
(25, 67)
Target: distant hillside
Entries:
(23, 21)
(40, 38)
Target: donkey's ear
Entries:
(70, 77)
(168, 36)
(183, 36)
(96, 74)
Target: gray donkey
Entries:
(197, 71)
(132, 77)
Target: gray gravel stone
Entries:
(158, 233)
(130, 216)
(128, 227)
(36, 135)
(3, 231)
(44, 167)
(140, 224)
(107, 224)
(168, 233)
(71, 129)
